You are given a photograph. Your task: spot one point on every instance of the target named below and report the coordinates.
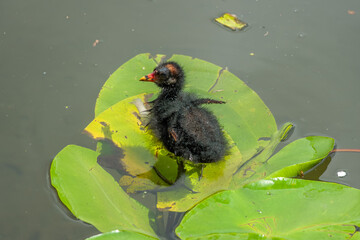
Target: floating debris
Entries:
(231, 21)
(341, 174)
(96, 42)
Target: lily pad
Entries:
(122, 126)
(121, 235)
(247, 121)
(231, 21)
(196, 186)
(92, 194)
(244, 117)
(298, 156)
(279, 208)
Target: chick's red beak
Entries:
(148, 78)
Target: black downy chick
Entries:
(176, 118)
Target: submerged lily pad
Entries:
(276, 209)
(231, 21)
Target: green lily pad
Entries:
(244, 117)
(299, 156)
(120, 125)
(121, 235)
(276, 209)
(231, 21)
(247, 121)
(92, 194)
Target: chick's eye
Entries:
(165, 72)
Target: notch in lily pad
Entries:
(231, 21)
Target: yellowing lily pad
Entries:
(121, 125)
(231, 21)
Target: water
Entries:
(301, 57)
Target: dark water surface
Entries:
(305, 67)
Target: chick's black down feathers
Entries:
(178, 120)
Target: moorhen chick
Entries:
(179, 122)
